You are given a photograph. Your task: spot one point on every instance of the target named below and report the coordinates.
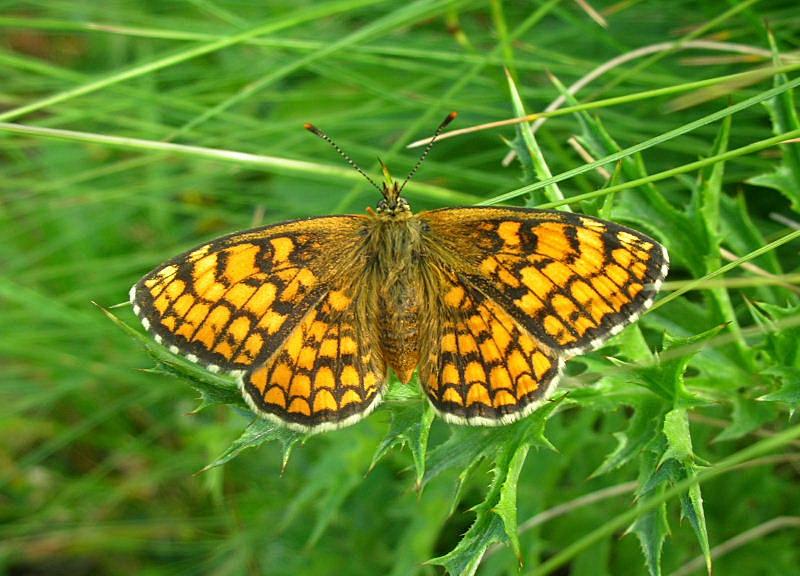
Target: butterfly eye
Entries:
(383, 206)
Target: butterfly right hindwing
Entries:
(478, 365)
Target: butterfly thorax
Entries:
(393, 247)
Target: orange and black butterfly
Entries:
(487, 303)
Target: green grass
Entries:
(130, 131)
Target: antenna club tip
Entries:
(450, 117)
(310, 127)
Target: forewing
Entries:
(229, 304)
(478, 364)
(329, 373)
(570, 280)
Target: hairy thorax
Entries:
(393, 249)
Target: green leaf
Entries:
(496, 517)
(642, 429)
(679, 450)
(651, 527)
(789, 391)
(783, 113)
(411, 424)
(667, 460)
(665, 377)
(213, 388)
(465, 558)
(706, 212)
(782, 180)
(748, 415)
(676, 429)
(506, 506)
(528, 149)
(258, 432)
(782, 344)
(692, 510)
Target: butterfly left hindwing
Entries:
(328, 373)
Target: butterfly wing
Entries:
(512, 292)
(231, 303)
(570, 280)
(328, 374)
(478, 365)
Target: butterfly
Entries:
(487, 303)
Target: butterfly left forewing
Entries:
(230, 303)
(570, 280)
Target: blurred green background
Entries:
(100, 460)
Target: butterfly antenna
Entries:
(445, 122)
(317, 132)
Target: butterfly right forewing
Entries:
(570, 280)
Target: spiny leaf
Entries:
(411, 424)
(495, 519)
(213, 388)
(642, 428)
(781, 179)
(679, 449)
(705, 211)
(651, 528)
(783, 113)
(748, 415)
(665, 378)
(526, 143)
(465, 445)
(668, 457)
(506, 506)
(258, 432)
(782, 344)
(679, 442)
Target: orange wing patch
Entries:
(570, 280)
(231, 303)
(329, 372)
(480, 366)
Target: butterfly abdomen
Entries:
(398, 332)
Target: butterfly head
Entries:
(392, 204)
